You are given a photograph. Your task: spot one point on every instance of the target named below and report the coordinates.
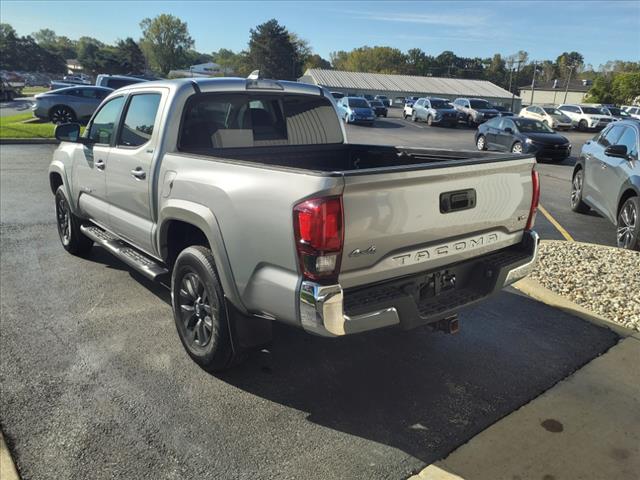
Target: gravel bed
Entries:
(602, 279)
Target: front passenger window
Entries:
(629, 140)
(103, 124)
(139, 120)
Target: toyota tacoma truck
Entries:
(246, 196)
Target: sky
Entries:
(601, 30)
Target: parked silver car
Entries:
(435, 111)
(69, 104)
(606, 178)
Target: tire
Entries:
(404, 115)
(583, 126)
(385, 115)
(577, 182)
(481, 143)
(414, 117)
(628, 224)
(199, 310)
(430, 120)
(72, 239)
(516, 147)
(62, 114)
(470, 122)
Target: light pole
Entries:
(566, 90)
(533, 81)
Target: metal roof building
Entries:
(359, 83)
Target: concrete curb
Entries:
(535, 290)
(28, 141)
(7, 468)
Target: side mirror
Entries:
(619, 151)
(508, 130)
(70, 132)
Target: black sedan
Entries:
(522, 135)
(379, 108)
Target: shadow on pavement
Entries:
(422, 392)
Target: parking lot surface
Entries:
(95, 383)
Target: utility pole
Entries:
(566, 90)
(513, 93)
(533, 81)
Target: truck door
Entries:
(91, 162)
(129, 175)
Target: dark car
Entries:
(337, 95)
(503, 111)
(379, 108)
(522, 135)
(606, 178)
(615, 112)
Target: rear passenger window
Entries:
(139, 120)
(250, 120)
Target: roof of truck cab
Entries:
(226, 84)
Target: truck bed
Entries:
(350, 158)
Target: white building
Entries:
(400, 86)
(555, 92)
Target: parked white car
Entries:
(407, 110)
(633, 111)
(586, 117)
(548, 115)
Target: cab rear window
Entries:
(214, 121)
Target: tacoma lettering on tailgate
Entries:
(446, 249)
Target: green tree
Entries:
(130, 57)
(316, 61)
(232, 62)
(568, 60)
(626, 87)
(273, 53)
(46, 38)
(165, 40)
(8, 47)
(601, 91)
(88, 48)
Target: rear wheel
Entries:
(414, 117)
(628, 225)
(430, 120)
(470, 122)
(516, 148)
(62, 114)
(199, 310)
(577, 205)
(72, 239)
(481, 143)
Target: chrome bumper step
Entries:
(144, 264)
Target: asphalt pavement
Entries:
(95, 383)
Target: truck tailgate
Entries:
(403, 222)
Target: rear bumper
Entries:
(415, 300)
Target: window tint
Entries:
(102, 94)
(139, 119)
(116, 83)
(101, 129)
(610, 136)
(629, 138)
(494, 122)
(248, 120)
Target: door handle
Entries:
(99, 164)
(138, 173)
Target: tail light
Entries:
(535, 199)
(319, 235)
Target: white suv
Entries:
(586, 117)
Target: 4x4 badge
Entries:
(369, 251)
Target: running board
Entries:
(144, 264)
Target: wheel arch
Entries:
(627, 191)
(179, 218)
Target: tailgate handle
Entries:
(458, 200)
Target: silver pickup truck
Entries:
(245, 193)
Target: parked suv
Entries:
(550, 116)
(356, 110)
(435, 111)
(384, 99)
(586, 117)
(474, 111)
(606, 178)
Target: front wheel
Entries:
(430, 120)
(583, 126)
(628, 226)
(577, 205)
(414, 117)
(470, 122)
(481, 143)
(72, 239)
(516, 148)
(199, 310)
